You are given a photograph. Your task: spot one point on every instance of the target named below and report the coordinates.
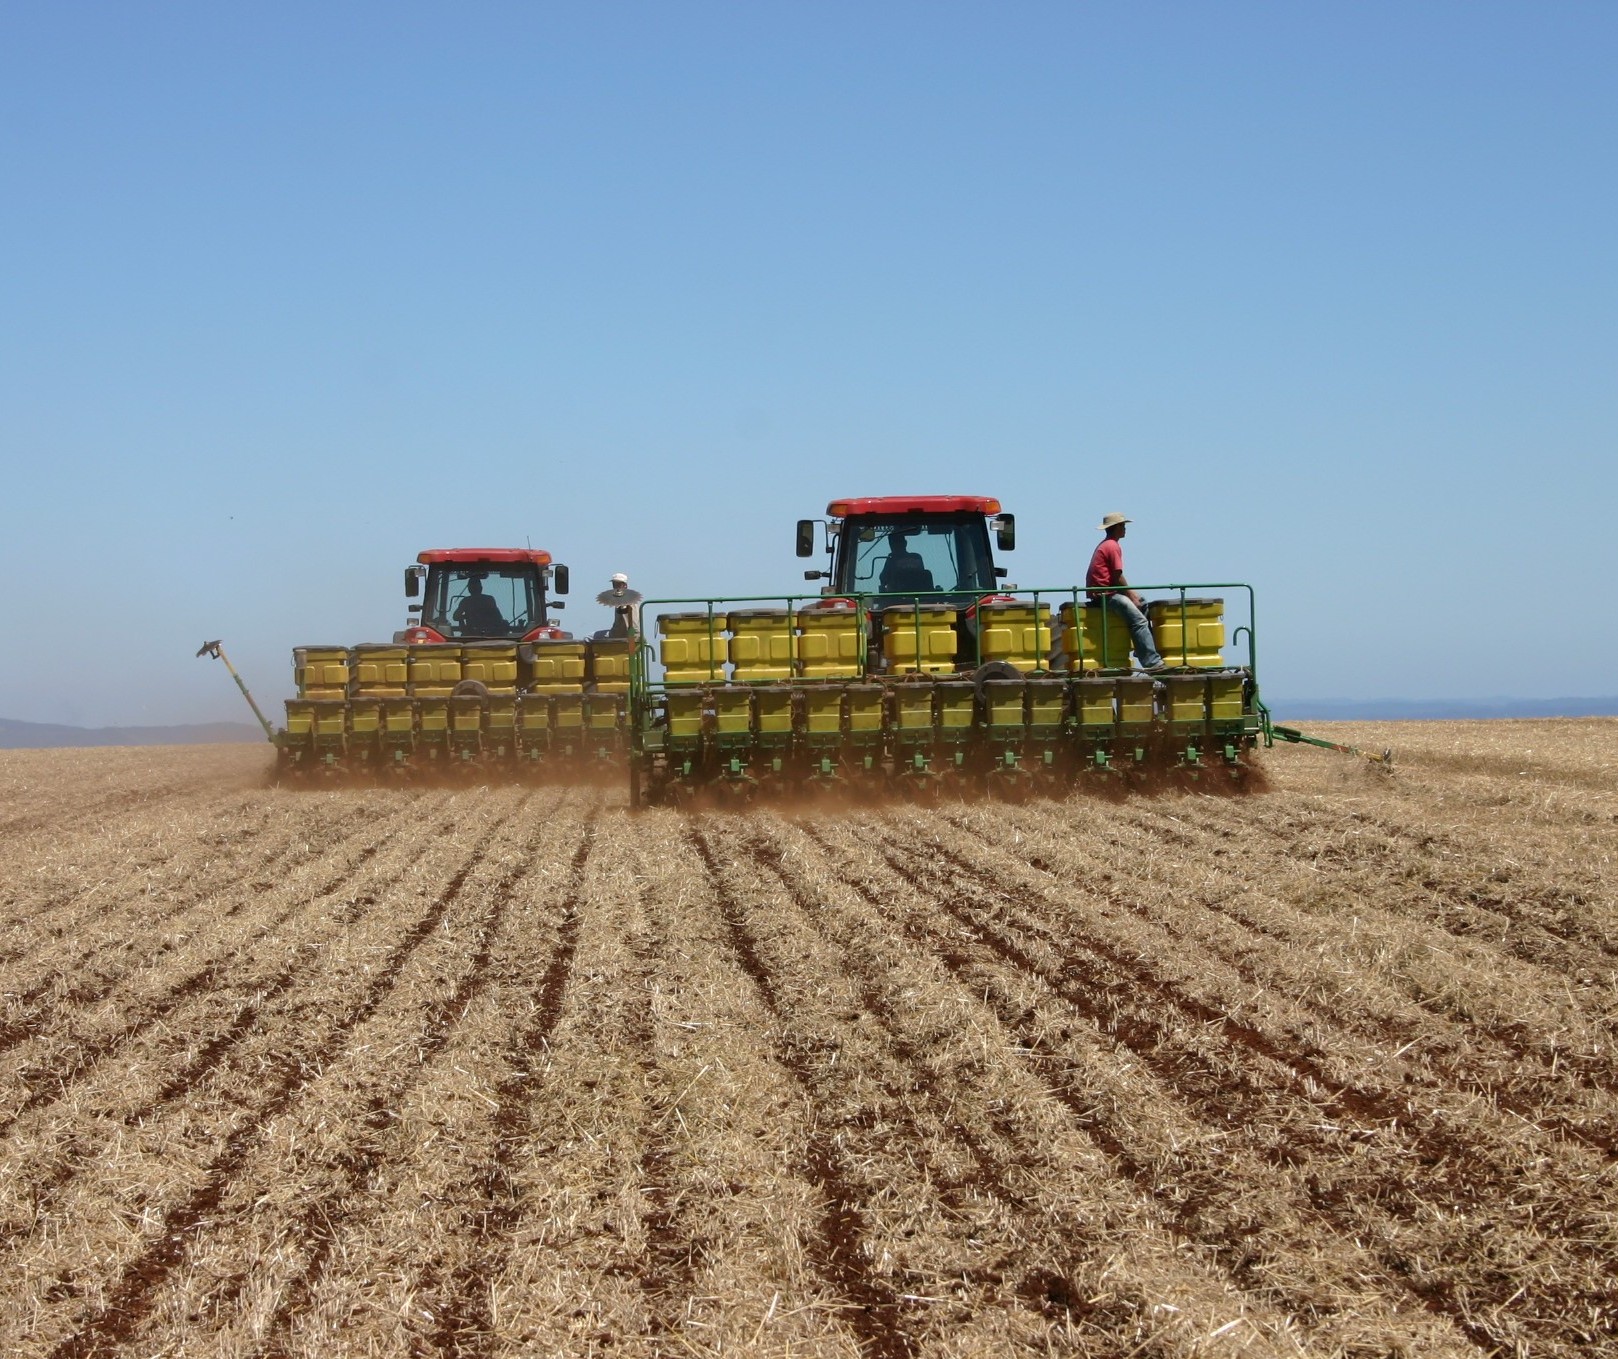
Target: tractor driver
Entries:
(904, 569)
(477, 615)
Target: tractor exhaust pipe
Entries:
(218, 653)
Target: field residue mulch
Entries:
(1327, 1069)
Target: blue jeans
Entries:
(1140, 631)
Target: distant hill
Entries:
(40, 735)
(1435, 709)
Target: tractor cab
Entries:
(905, 549)
(482, 594)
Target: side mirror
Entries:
(1005, 532)
(559, 579)
(816, 575)
(412, 582)
(556, 604)
(413, 608)
(806, 538)
(1000, 573)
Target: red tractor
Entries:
(901, 546)
(483, 594)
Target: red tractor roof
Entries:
(460, 556)
(914, 504)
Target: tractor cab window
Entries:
(913, 556)
(481, 601)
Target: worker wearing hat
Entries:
(625, 606)
(1106, 584)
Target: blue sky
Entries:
(1325, 297)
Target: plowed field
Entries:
(1328, 1069)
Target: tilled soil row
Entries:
(308, 1033)
(624, 1192)
(1242, 922)
(727, 1252)
(487, 1206)
(588, 1243)
(204, 865)
(215, 960)
(69, 988)
(354, 1209)
(151, 1079)
(1273, 1069)
(1226, 1199)
(71, 807)
(1324, 1070)
(162, 864)
(547, 1208)
(840, 1252)
(1174, 933)
(663, 1263)
(1561, 916)
(993, 1141)
(1505, 979)
(666, 1268)
(1499, 985)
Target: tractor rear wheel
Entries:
(994, 670)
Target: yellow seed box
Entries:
(761, 644)
(829, 643)
(1189, 634)
(1016, 632)
(1097, 643)
(919, 637)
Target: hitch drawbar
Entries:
(1297, 737)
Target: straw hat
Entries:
(1113, 520)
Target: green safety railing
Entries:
(1242, 636)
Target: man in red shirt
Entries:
(1105, 582)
